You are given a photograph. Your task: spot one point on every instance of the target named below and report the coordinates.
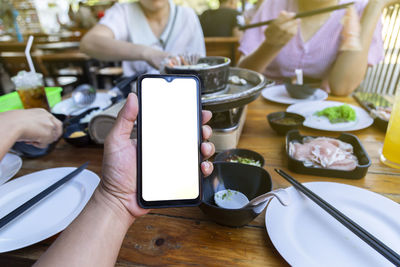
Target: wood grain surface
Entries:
(185, 236)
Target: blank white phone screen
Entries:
(170, 161)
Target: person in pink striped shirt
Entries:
(312, 43)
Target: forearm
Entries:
(9, 133)
(350, 66)
(94, 238)
(109, 49)
(260, 58)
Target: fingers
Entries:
(57, 128)
(126, 117)
(207, 149)
(207, 115)
(207, 168)
(281, 30)
(38, 145)
(207, 132)
(284, 16)
(290, 26)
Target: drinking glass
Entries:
(391, 147)
(30, 88)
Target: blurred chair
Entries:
(223, 46)
(13, 62)
(384, 77)
(106, 75)
(65, 69)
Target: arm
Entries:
(96, 235)
(101, 44)
(277, 34)
(350, 66)
(10, 136)
(35, 126)
(94, 238)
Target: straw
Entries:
(28, 55)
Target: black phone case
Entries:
(167, 203)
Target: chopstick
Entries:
(299, 15)
(368, 238)
(28, 204)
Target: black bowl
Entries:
(300, 91)
(77, 141)
(249, 180)
(214, 78)
(280, 128)
(226, 155)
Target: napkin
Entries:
(101, 124)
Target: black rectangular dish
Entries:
(359, 172)
(370, 101)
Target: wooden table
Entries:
(184, 236)
(58, 46)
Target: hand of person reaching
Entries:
(118, 183)
(35, 126)
(281, 30)
(154, 57)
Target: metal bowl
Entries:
(214, 78)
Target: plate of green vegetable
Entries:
(332, 116)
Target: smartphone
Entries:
(169, 138)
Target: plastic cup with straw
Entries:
(29, 85)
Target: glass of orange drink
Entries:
(391, 147)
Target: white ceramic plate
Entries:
(52, 214)
(278, 93)
(67, 106)
(306, 235)
(308, 110)
(9, 166)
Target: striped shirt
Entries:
(317, 55)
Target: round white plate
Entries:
(9, 166)
(52, 214)
(308, 110)
(67, 106)
(278, 94)
(306, 235)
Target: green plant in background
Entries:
(213, 4)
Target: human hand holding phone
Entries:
(119, 171)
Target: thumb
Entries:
(127, 116)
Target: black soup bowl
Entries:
(250, 180)
(302, 91)
(232, 154)
(282, 122)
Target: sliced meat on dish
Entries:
(324, 152)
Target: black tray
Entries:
(369, 101)
(359, 172)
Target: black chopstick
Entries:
(299, 15)
(28, 204)
(368, 238)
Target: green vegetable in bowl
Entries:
(343, 113)
(237, 159)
